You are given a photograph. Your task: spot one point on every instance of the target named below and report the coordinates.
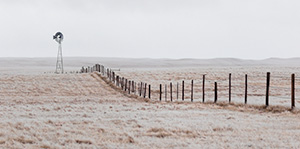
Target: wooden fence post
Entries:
(107, 73)
(216, 92)
(159, 92)
(121, 83)
(171, 91)
(132, 85)
(246, 88)
(149, 92)
(103, 70)
(203, 89)
(192, 90)
(117, 81)
(229, 87)
(268, 89)
(141, 88)
(125, 84)
(182, 90)
(293, 91)
(129, 84)
(145, 90)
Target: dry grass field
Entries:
(44, 110)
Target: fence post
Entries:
(103, 70)
(117, 81)
(293, 91)
(171, 91)
(141, 88)
(182, 90)
(192, 90)
(125, 84)
(149, 92)
(267, 88)
(145, 90)
(216, 92)
(121, 83)
(246, 88)
(113, 77)
(203, 89)
(107, 75)
(132, 85)
(129, 84)
(229, 87)
(159, 92)
(166, 91)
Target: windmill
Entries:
(58, 37)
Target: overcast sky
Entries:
(248, 29)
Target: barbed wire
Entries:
(277, 87)
(280, 97)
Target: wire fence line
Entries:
(207, 87)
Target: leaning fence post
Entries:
(182, 90)
(229, 87)
(246, 88)
(293, 91)
(192, 90)
(216, 92)
(203, 89)
(171, 91)
(267, 88)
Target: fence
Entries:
(233, 88)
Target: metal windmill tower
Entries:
(58, 37)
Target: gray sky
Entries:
(248, 29)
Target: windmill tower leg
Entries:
(59, 62)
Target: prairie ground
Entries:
(83, 111)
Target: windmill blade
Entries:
(58, 37)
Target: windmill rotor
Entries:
(58, 37)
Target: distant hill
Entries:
(77, 62)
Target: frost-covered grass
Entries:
(81, 110)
